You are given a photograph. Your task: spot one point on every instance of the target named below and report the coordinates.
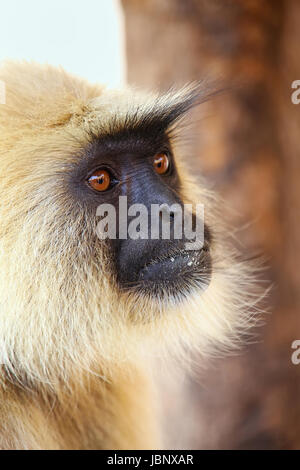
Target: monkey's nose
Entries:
(165, 210)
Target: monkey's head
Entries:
(69, 297)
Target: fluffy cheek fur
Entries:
(49, 251)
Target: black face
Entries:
(141, 166)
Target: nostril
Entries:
(170, 214)
(165, 210)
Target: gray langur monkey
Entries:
(81, 319)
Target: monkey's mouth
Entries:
(175, 275)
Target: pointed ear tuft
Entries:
(175, 104)
(168, 108)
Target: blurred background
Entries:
(86, 37)
(246, 144)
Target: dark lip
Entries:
(171, 275)
(174, 266)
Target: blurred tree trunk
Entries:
(247, 147)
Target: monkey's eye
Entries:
(161, 163)
(101, 180)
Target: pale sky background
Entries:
(86, 37)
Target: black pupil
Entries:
(159, 164)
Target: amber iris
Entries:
(100, 180)
(161, 163)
